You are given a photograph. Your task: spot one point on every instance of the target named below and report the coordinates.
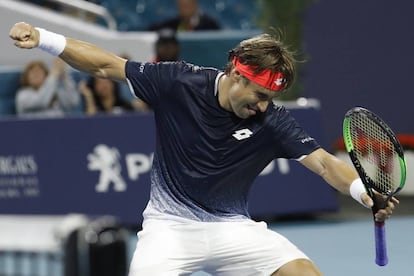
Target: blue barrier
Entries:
(99, 166)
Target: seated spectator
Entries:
(189, 18)
(46, 94)
(167, 47)
(104, 96)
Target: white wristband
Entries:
(50, 42)
(356, 189)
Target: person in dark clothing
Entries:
(189, 18)
(216, 131)
(103, 96)
(167, 46)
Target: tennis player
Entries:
(216, 131)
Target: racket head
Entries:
(375, 151)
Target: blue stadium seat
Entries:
(9, 83)
(138, 15)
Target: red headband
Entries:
(266, 78)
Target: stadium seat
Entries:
(138, 15)
(9, 83)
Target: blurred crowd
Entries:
(52, 92)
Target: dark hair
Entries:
(265, 51)
(166, 36)
(119, 101)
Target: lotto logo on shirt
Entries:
(242, 134)
(141, 68)
(108, 162)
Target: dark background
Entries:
(360, 53)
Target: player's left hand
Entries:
(385, 212)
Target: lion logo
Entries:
(106, 160)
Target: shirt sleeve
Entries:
(294, 141)
(148, 81)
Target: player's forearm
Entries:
(81, 55)
(339, 174)
(93, 60)
(336, 172)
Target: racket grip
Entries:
(381, 257)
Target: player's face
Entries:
(248, 100)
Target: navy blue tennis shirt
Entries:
(206, 158)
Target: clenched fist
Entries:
(24, 35)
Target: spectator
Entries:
(167, 47)
(104, 96)
(189, 18)
(46, 94)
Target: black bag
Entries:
(97, 249)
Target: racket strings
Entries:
(376, 153)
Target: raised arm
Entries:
(80, 55)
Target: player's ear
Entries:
(235, 75)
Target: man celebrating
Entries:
(197, 218)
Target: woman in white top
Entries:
(46, 94)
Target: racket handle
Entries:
(381, 257)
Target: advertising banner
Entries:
(100, 166)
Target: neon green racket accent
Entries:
(347, 135)
(403, 172)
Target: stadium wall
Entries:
(360, 54)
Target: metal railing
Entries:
(85, 7)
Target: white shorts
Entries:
(168, 248)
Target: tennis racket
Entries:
(379, 160)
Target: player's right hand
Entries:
(24, 35)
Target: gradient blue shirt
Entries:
(206, 158)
